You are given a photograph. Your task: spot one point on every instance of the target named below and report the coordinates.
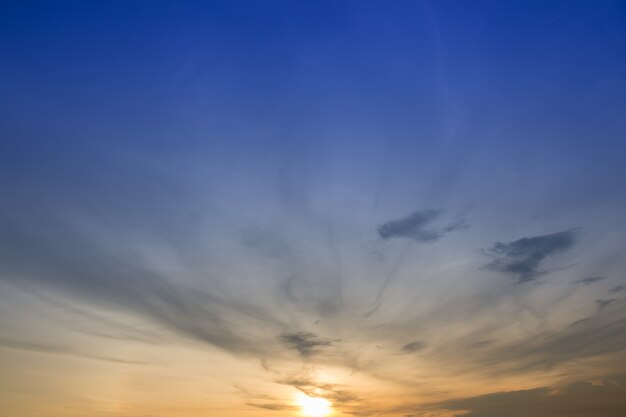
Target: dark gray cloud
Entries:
(616, 289)
(413, 347)
(605, 398)
(604, 303)
(589, 280)
(521, 258)
(306, 344)
(415, 227)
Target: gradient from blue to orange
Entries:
(401, 207)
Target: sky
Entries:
(394, 208)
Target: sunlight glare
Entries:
(312, 406)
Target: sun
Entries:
(313, 406)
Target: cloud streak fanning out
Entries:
(407, 208)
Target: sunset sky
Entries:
(310, 208)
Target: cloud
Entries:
(413, 347)
(306, 344)
(264, 401)
(601, 334)
(605, 398)
(481, 344)
(521, 258)
(602, 304)
(273, 406)
(577, 322)
(306, 383)
(617, 289)
(58, 259)
(55, 349)
(414, 226)
(589, 281)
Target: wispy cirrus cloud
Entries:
(60, 349)
(70, 263)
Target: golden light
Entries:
(313, 406)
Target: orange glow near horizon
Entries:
(313, 406)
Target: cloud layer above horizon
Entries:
(410, 209)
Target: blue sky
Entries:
(363, 198)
